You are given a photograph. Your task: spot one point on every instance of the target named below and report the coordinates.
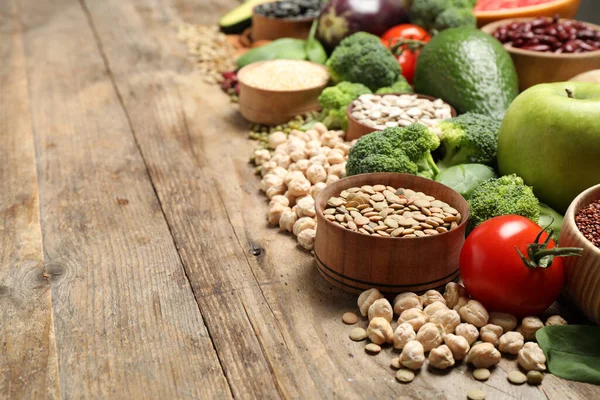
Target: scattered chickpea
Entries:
(483, 355)
(491, 333)
(430, 335)
(434, 307)
(403, 334)
(302, 224)
(381, 308)
(441, 357)
(279, 199)
(380, 331)
(332, 179)
(529, 326)
(287, 220)
(276, 190)
(306, 238)
(454, 291)
(367, 298)
(468, 331)
(474, 313)
(531, 357)
(317, 188)
(417, 318)
(413, 355)
(462, 301)
(299, 187)
(275, 212)
(448, 319)
(338, 170)
(508, 322)
(335, 156)
(432, 296)
(458, 345)
(269, 181)
(276, 138)
(406, 301)
(511, 342)
(261, 156)
(556, 320)
(316, 173)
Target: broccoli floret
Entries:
(502, 196)
(334, 101)
(469, 138)
(454, 18)
(437, 15)
(407, 150)
(362, 58)
(400, 86)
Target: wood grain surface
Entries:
(162, 279)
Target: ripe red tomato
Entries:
(495, 275)
(407, 58)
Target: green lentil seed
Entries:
(535, 377)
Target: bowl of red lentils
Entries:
(581, 228)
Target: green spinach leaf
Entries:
(465, 177)
(315, 51)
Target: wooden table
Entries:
(135, 260)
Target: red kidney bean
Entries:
(536, 47)
(586, 47)
(518, 43)
(570, 46)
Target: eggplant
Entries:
(341, 18)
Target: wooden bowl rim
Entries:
(350, 107)
(492, 26)
(510, 11)
(570, 217)
(286, 20)
(257, 64)
(373, 176)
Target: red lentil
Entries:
(588, 222)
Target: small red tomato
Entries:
(496, 275)
(414, 36)
(406, 32)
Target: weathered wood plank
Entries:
(28, 363)
(127, 324)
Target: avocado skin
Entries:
(469, 69)
(240, 18)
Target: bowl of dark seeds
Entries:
(289, 19)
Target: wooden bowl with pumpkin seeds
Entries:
(386, 255)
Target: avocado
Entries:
(240, 18)
(468, 69)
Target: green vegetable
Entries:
(469, 69)
(400, 86)
(551, 220)
(465, 178)
(502, 196)
(469, 138)
(362, 58)
(334, 101)
(314, 50)
(407, 150)
(572, 351)
(280, 49)
(437, 15)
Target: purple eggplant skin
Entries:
(341, 18)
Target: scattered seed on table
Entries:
(535, 377)
(481, 374)
(476, 394)
(372, 348)
(395, 363)
(405, 375)
(349, 318)
(358, 334)
(517, 377)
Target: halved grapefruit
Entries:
(488, 11)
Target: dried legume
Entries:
(588, 222)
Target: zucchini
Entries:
(240, 18)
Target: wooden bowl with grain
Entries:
(356, 262)
(582, 274)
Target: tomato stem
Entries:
(540, 256)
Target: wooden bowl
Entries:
(268, 28)
(274, 107)
(534, 67)
(355, 262)
(356, 129)
(562, 8)
(582, 274)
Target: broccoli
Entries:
(362, 58)
(400, 86)
(407, 150)
(334, 100)
(437, 15)
(469, 138)
(502, 196)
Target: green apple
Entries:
(550, 136)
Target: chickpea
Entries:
(269, 181)
(381, 308)
(556, 320)
(511, 342)
(430, 335)
(432, 296)
(317, 188)
(306, 238)
(279, 199)
(474, 313)
(335, 156)
(529, 326)
(462, 301)
(491, 333)
(380, 331)
(458, 345)
(275, 212)
(441, 357)
(282, 160)
(329, 139)
(332, 179)
(295, 144)
(405, 301)
(302, 224)
(305, 137)
(417, 318)
(282, 148)
(508, 322)
(294, 175)
(453, 292)
(261, 155)
(345, 148)
(483, 355)
(468, 331)
(287, 220)
(299, 187)
(367, 298)
(403, 334)
(297, 155)
(291, 199)
(434, 307)
(320, 158)
(531, 357)
(338, 170)
(316, 173)
(413, 355)
(320, 128)
(280, 171)
(277, 138)
(306, 207)
(267, 167)
(303, 165)
(312, 134)
(276, 190)
(448, 319)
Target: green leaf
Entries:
(465, 178)
(572, 351)
(314, 50)
(280, 49)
